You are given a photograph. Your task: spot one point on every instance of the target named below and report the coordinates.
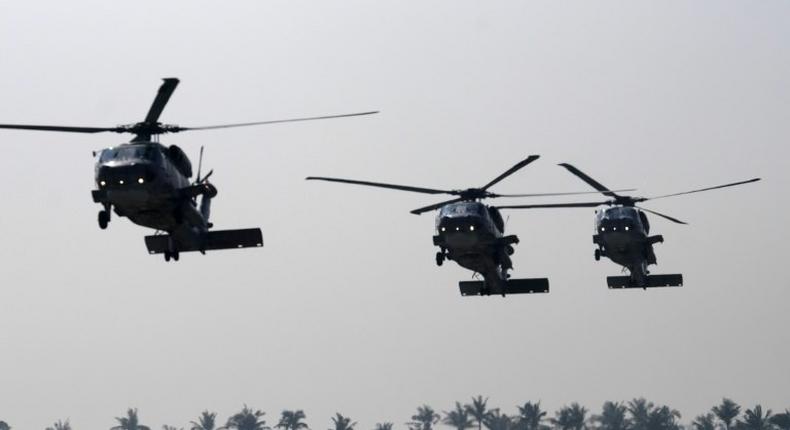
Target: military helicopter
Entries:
(473, 234)
(622, 233)
(149, 183)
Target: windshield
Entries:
(127, 152)
(462, 209)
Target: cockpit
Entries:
(620, 219)
(463, 216)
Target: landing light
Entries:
(121, 182)
(102, 183)
(626, 228)
(140, 180)
(444, 229)
(458, 229)
(471, 228)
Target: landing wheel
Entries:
(439, 258)
(175, 255)
(597, 255)
(167, 255)
(104, 219)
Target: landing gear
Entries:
(173, 255)
(104, 219)
(439, 258)
(597, 255)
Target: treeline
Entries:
(638, 414)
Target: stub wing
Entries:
(511, 286)
(210, 241)
(653, 281)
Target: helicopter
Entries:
(149, 183)
(622, 232)
(473, 234)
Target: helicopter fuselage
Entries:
(147, 182)
(471, 234)
(622, 235)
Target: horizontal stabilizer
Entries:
(213, 240)
(653, 281)
(511, 286)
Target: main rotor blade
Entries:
(61, 128)
(662, 215)
(246, 124)
(705, 189)
(510, 171)
(553, 194)
(435, 206)
(381, 185)
(556, 205)
(595, 184)
(162, 97)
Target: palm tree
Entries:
(663, 418)
(206, 421)
(477, 409)
(425, 418)
(342, 423)
(458, 418)
(705, 422)
(640, 410)
(497, 421)
(613, 417)
(753, 419)
(60, 425)
(292, 420)
(383, 426)
(4, 426)
(247, 419)
(726, 412)
(782, 420)
(571, 417)
(129, 422)
(530, 417)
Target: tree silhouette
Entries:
(753, 419)
(705, 422)
(663, 418)
(60, 425)
(571, 417)
(613, 417)
(530, 417)
(129, 422)
(4, 426)
(206, 421)
(640, 410)
(727, 412)
(247, 419)
(497, 421)
(342, 423)
(458, 418)
(782, 420)
(292, 420)
(424, 419)
(383, 426)
(478, 410)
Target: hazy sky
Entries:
(344, 308)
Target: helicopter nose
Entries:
(458, 225)
(123, 176)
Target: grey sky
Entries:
(344, 309)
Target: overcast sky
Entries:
(344, 309)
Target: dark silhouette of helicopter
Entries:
(150, 183)
(623, 232)
(473, 234)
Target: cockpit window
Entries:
(127, 152)
(460, 209)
